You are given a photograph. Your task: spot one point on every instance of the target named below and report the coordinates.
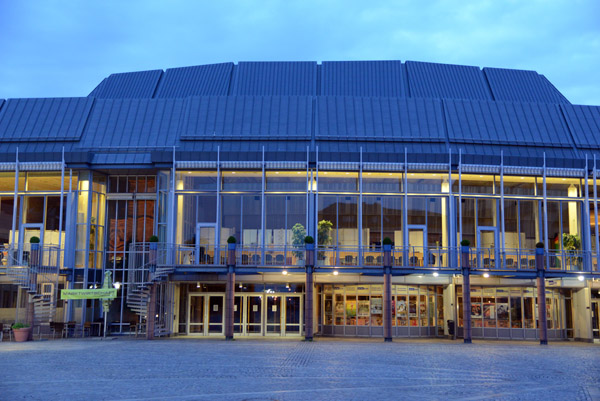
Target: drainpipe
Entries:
(466, 271)
(541, 295)
(230, 291)
(387, 292)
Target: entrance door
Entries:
(293, 314)
(205, 244)
(417, 254)
(206, 314)
(487, 247)
(254, 314)
(273, 314)
(595, 319)
(26, 232)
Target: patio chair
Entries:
(245, 259)
(532, 263)
(370, 260)
(255, 259)
(279, 259)
(523, 263)
(87, 328)
(348, 260)
(509, 262)
(268, 259)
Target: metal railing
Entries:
(436, 258)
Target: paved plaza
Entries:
(327, 369)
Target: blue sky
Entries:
(57, 48)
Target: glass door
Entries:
(487, 249)
(273, 314)
(196, 314)
(215, 314)
(26, 232)
(238, 307)
(205, 244)
(417, 246)
(293, 314)
(254, 314)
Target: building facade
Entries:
(350, 153)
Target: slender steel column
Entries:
(151, 318)
(466, 271)
(230, 292)
(541, 295)
(387, 293)
(308, 301)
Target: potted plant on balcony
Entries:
(153, 245)
(21, 331)
(324, 233)
(572, 244)
(387, 244)
(35, 251)
(298, 239)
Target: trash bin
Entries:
(451, 327)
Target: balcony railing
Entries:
(31, 255)
(435, 258)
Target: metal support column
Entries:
(387, 293)
(541, 295)
(466, 271)
(230, 292)
(308, 301)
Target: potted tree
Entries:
(572, 244)
(324, 233)
(298, 240)
(21, 331)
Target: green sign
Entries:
(99, 293)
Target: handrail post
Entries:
(151, 318)
(387, 292)
(466, 271)
(541, 295)
(230, 292)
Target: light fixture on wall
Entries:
(580, 278)
(435, 274)
(284, 272)
(335, 273)
(486, 275)
(198, 285)
(117, 285)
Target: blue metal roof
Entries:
(275, 79)
(247, 117)
(358, 118)
(471, 121)
(133, 123)
(584, 123)
(53, 119)
(362, 78)
(140, 84)
(202, 80)
(521, 86)
(446, 81)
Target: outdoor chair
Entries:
(87, 328)
(255, 259)
(532, 263)
(268, 259)
(69, 329)
(370, 260)
(509, 262)
(279, 259)
(379, 260)
(244, 259)
(523, 263)
(57, 327)
(399, 261)
(413, 261)
(348, 259)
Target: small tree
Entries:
(324, 232)
(298, 236)
(572, 243)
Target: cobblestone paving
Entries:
(327, 369)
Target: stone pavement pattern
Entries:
(327, 369)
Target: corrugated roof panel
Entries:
(53, 119)
(522, 86)
(584, 123)
(356, 118)
(275, 79)
(362, 78)
(504, 122)
(201, 80)
(1, 103)
(270, 117)
(133, 123)
(446, 81)
(141, 84)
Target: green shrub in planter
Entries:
(309, 240)
(153, 238)
(231, 240)
(34, 240)
(465, 242)
(539, 245)
(387, 241)
(20, 326)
